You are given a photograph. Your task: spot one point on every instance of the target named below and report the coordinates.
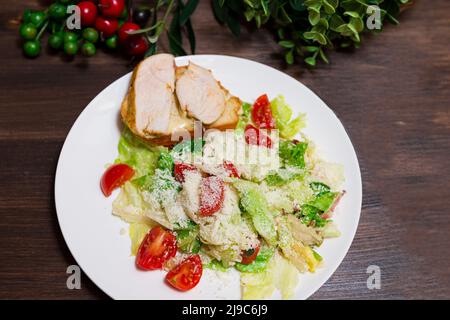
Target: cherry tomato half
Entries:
(248, 256)
(106, 26)
(262, 114)
(124, 29)
(111, 8)
(179, 170)
(88, 13)
(231, 169)
(158, 246)
(115, 176)
(256, 137)
(212, 192)
(187, 274)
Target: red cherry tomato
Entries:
(248, 256)
(187, 274)
(88, 13)
(231, 169)
(212, 192)
(262, 114)
(106, 26)
(158, 246)
(124, 29)
(136, 45)
(111, 8)
(179, 169)
(115, 176)
(256, 137)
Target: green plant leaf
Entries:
(175, 46)
(234, 25)
(311, 61)
(298, 5)
(187, 11)
(313, 16)
(151, 50)
(335, 22)
(310, 48)
(191, 35)
(323, 56)
(219, 11)
(289, 57)
(287, 44)
(352, 14)
(329, 9)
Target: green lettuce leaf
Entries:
(319, 188)
(187, 238)
(215, 265)
(281, 177)
(253, 202)
(194, 145)
(137, 154)
(244, 119)
(293, 154)
(324, 200)
(282, 113)
(280, 274)
(165, 161)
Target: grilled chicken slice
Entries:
(151, 101)
(199, 94)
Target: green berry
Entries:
(56, 40)
(90, 34)
(57, 11)
(28, 31)
(112, 42)
(88, 49)
(26, 16)
(70, 36)
(71, 48)
(32, 48)
(37, 18)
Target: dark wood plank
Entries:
(392, 96)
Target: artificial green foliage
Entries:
(306, 29)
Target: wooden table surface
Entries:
(392, 95)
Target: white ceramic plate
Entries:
(93, 234)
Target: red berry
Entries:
(106, 26)
(136, 45)
(111, 8)
(88, 13)
(124, 29)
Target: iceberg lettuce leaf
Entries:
(253, 202)
(282, 113)
(134, 152)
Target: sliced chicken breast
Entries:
(151, 99)
(199, 94)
